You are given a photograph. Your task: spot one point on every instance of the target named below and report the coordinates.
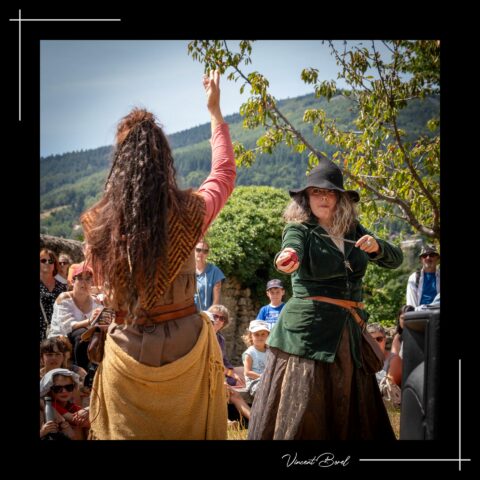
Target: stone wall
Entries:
(243, 308)
(63, 245)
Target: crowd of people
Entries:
(164, 371)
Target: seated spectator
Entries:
(387, 383)
(57, 429)
(397, 339)
(220, 318)
(52, 355)
(275, 292)
(72, 313)
(254, 356)
(378, 333)
(82, 396)
(219, 315)
(55, 352)
(59, 384)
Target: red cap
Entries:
(79, 268)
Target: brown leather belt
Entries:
(161, 313)
(350, 305)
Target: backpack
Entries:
(417, 277)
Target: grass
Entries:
(236, 430)
(394, 415)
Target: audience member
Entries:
(275, 292)
(64, 262)
(56, 429)
(59, 384)
(56, 352)
(209, 278)
(50, 288)
(388, 385)
(220, 318)
(72, 313)
(254, 356)
(397, 339)
(424, 284)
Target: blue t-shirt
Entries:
(205, 283)
(429, 290)
(270, 314)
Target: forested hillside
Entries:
(71, 182)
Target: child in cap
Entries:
(254, 356)
(275, 292)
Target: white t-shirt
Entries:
(258, 362)
(66, 314)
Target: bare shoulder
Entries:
(63, 296)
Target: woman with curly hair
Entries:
(162, 373)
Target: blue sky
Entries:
(87, 86)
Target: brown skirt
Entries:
(304, 399)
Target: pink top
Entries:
(219, 184)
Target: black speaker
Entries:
(419, 418)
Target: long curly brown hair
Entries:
(128, 240)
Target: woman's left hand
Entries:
(368, 244)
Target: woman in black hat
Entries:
(314, 385)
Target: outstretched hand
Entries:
(287, 261)
(211, 83)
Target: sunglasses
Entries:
(379, 339)
(47, 260)
(204, 250)
(432, 255)
(85, 279)
(64, 263)
(218, 317)
(59, 388)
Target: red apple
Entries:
(292, 256)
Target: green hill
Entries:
(73, 181)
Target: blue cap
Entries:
(275, 283)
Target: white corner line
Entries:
(65, 19)
(20, 20)
(459, 459)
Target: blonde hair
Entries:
(247, 338)
(345, 215)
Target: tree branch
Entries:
(397, 201)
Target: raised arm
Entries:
(211, 84)
(219, 184)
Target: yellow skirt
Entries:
(182, 400)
